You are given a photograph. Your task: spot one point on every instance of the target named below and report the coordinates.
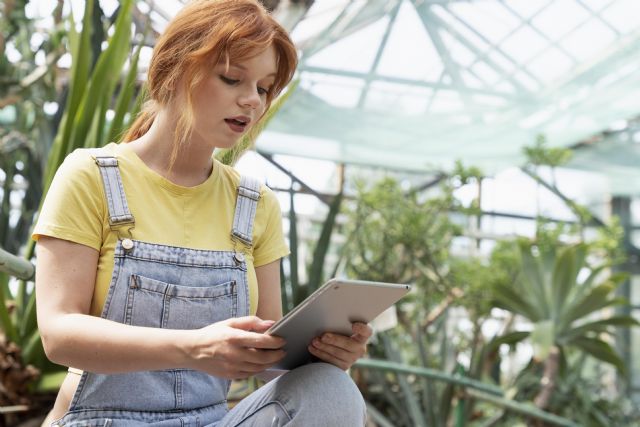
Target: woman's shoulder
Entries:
(82, 160)
(231, 178)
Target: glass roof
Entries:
(418, 84)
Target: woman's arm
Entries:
(65, 278)
(269, 294)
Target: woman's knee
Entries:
(331, 388)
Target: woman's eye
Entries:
(228, 81)
(262, 91)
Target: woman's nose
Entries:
(250, 99)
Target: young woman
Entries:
(158, 267)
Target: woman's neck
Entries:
(193, 163)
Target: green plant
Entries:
(84, 124)
(404, 236)
(567, 312)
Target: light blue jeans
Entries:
(317, 394)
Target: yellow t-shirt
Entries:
(197, 217)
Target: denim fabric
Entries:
(181, 288)
(248, 196)
(317, 394)
(112, 183)
(163, 287)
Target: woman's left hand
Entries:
(340, 350)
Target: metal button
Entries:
(127, 244)
(239, 257)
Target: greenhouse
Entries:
(484, 152)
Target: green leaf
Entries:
(601, 351)
(297, 294)
(5, 319)
(124, 97)
(32, 350)
(580, 290)
(542, 338)
(324, 242)
(509, 299)
(509, 339)
(533, 281)
(103, 78)
(598, 326)
(29, 322)
(590, 303)
(80, 65)
(564, 277)
(51, 381)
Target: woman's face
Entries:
(231, 100)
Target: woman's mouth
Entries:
(237, 124)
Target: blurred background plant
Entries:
(451, 353)
(92, 99)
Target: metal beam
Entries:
(383, 44)
(426, 17)
(322, 197)
(405, 81)
(485, 56)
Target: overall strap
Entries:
(246, 203)
(119, 213)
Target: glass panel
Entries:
(634, 298)
(635, 354)
(619, 17)
(559, 18)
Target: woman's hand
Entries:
(235, 348)
(340, 350)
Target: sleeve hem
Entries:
(268, 258)
(65, 234)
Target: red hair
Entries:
(205, 33)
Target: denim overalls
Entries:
(163, 286)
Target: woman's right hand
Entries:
(235, 348)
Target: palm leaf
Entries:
(509, 299)
(601, 351)
(598, 326)
(564, 276)
(533, 281)
(580, 290)
(510, 339)
(590, 303)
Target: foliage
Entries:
(559, 305)
(566, 292)
(294, 292)
(579, 395)
(414, 247)
(540, 154)
(94, 78)
(405, 237)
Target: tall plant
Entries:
(84, 124)
(566, 311)
(400, 236)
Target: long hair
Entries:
(205, 33)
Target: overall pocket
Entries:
(157, 304)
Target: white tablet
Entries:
(332, 308)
